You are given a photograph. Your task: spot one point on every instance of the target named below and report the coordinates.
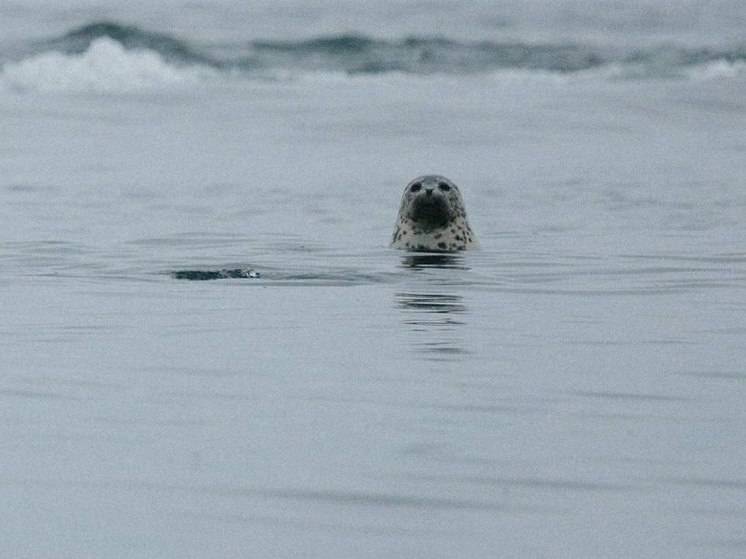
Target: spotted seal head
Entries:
(432, 217)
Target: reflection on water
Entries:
(433, 260)
(436, 319)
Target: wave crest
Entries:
(358, 54)
(106, 66)
(130, 37)
(112, 57)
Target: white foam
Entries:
(106, 67)
(717, 69)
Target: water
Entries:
(574, 388)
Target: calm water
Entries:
(575, 388)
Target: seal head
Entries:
(432, 217)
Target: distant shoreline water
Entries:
(127, 53)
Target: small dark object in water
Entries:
(201, 275)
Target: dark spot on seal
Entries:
(442, 245)
(438, 235)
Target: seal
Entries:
(432, 217)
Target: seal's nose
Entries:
(429, 191)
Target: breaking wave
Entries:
(106, 66)
(108, 56)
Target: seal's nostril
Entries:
(429, 191)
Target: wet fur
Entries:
(434, 222)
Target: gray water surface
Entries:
(575, 388)
(374, 402)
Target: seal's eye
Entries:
(416, 187)
(445, 187)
